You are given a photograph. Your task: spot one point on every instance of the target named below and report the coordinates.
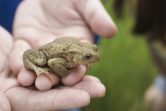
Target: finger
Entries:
(22, 99)
(92, 86)
(5, 72)
(3, 64)
(16, 62)
(10, 83)
(97, 17)
(71, 98)
(26, 77)
(90, 78)
(4, 103)
(6, 41)
(74, 76)
(43, 82)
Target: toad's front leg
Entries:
(57, 65)
(35, 60)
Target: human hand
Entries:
(38, 22)
(16, 98)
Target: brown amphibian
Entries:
(60, 56)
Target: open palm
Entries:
(13, 97)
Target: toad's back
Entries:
(58, 47)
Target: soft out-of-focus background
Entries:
(125, 67)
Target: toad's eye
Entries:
(87, 57)
(95, 47)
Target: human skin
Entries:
(14, 97)
(38, 22)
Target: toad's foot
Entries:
(40, 71)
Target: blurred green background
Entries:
(125, 68)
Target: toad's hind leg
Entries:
(57, 65)
(34, 60)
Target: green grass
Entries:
(125, 68)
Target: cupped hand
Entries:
(38, 22)
(14, 97)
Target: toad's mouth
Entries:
(92, 60)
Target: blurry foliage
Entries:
(125, 68)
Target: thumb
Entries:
(4, 103)
(96, 17)
(57, 99)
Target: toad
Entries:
(60, 56)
